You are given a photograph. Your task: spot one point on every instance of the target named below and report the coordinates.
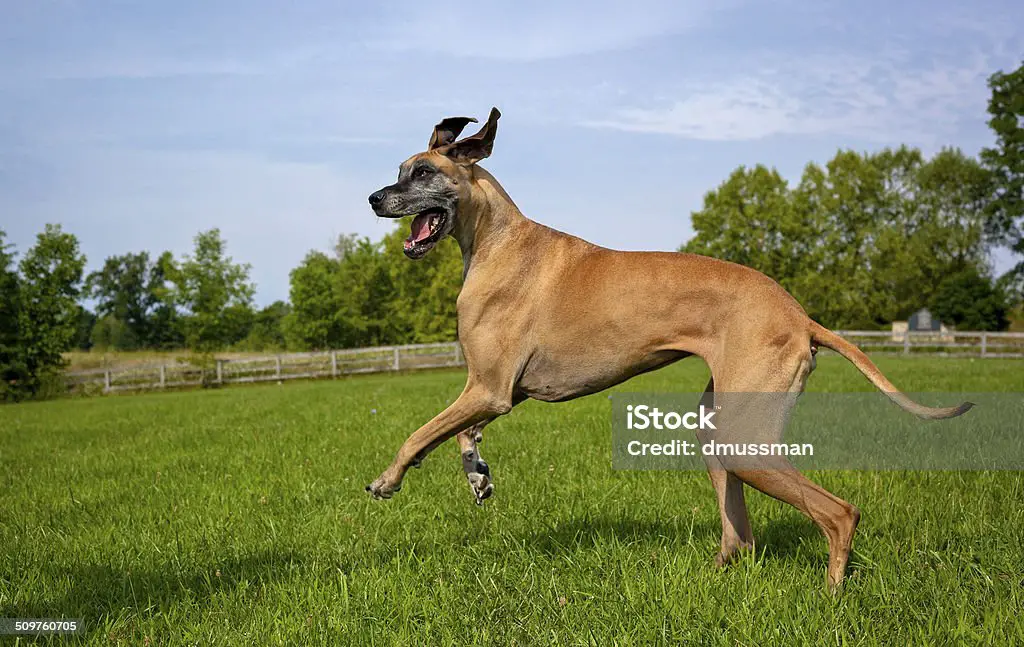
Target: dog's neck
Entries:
(488, 222)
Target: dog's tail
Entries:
(829, 339)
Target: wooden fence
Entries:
(267, 368)
(941, 344)
(335, 363)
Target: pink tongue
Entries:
(420, 228)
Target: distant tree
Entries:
(364, 288)
(110, 333)
(341, 301)
(13, 371)
(935, 228)
(370, 293)
(860, 242)
(166, 327)
(970, 301)
(236, 324)
(83, 330)
(863, 205)
(1005, 163)
(312, 323)
(127, 288)
(51, 277)
(421, 307)
(267, 330)
(214, 292)
(751, 219)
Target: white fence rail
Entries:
(289, 366)
(942, 344)
(267, 368)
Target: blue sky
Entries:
(136, 125)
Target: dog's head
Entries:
(432, 184)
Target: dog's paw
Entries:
(480, 481)
(724, 557)
(481, 486)
(381, 489)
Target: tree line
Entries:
(865, 239)
(869, 238)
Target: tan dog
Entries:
(548, 316)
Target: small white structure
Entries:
(920, 323)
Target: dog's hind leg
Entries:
(477, 472)
(758, 404)
(732, 507)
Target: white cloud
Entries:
(881, 98)
(745, 109)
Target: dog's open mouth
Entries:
(427, 229)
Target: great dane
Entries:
(549, 316)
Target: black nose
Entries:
(376, 197)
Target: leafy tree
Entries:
(751, 219)
(936, 229)
(267, 331)
(863, 203)
(215, 293)
(13, 370)
(342, 301)
(83, 331)
(423, 306)
(166, 329)
(236, 324)
(970, 301)
(365, 291)
(127, 289)
(370, 293)
(860, 242)
(110, 333)
(1005, 163)
(51, 277)
(312, 321)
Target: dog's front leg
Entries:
(473, 406)
(477, 472)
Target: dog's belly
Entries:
(559, 378)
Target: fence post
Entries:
(106, 381)
(220, 371)
(984, 344)
(396, 365)
(906, 342)
(277, 364)
(334, 363)
(163, 376)
(458, 354)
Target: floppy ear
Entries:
(476, 147)
(447, 131)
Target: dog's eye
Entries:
(422, 171)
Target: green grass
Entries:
(239, 516)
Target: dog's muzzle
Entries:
(427, 229)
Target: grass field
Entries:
(238, 516)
